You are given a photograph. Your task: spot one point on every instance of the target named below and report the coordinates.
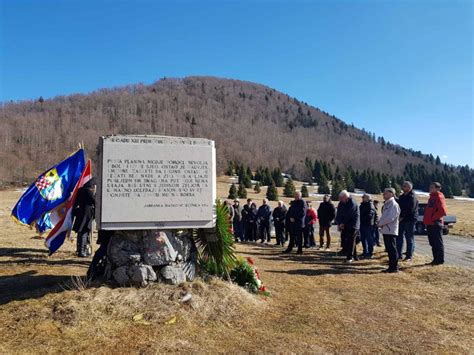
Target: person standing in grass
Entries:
(237, 221)
(308, 231)
(83, 213)
(408, 216)
(348, 221)
(264, 214)
(388, 225)
(435, 210)
(253, 223)
(376, 221)
(296, 215)
(326, 214)
(245, 220)
(279, 218)
(367, 212)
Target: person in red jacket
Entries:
(433, 220)
(308, 231)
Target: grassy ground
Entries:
(318, 304)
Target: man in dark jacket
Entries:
(408, 216)
(264, 214)
(348, 221)
(237, 221)
(245, 220)
(83, 212)
(296, 215)
(367, 213)
(326, 214)
(279, 217)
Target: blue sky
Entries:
(401, 69)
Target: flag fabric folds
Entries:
(50, 189)
(61, 230)
(49, 219)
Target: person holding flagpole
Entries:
(83, 214)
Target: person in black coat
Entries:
(252, 223)
(348, 221)
(296, 215)
(408, 216)
(279, 218)
(83, 212)
(245, 220)
(367, 220)
(326, 214)
(264, 214)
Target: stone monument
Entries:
(152, 191)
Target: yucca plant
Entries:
(216, 245)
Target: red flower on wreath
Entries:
(250, 261)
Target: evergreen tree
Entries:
(304, 191)
(373, 185)
(471, 189)
(318, 172)
(337, 187)
(257, 188)
(230, 168)
(323, 187)
(272, 192)
(267, 177)
(232, 192)
(289, 190)
(350, 185)
(397, 188)
(447, 191)
(246, 181)
(242, 192)
(278, 177)
(249, 173)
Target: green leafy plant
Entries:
(216, 245)
(244, 275)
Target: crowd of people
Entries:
(356, 223)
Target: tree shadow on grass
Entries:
(28, 285)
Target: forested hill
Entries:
(250, 123)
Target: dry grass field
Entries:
(317, 305)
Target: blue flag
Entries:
(51, 189)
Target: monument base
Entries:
(137, 257)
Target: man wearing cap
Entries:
(435, 210)
(367, 213)
(408, 216)
(237, 221)
(388, 224)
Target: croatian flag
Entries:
(62, 229)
